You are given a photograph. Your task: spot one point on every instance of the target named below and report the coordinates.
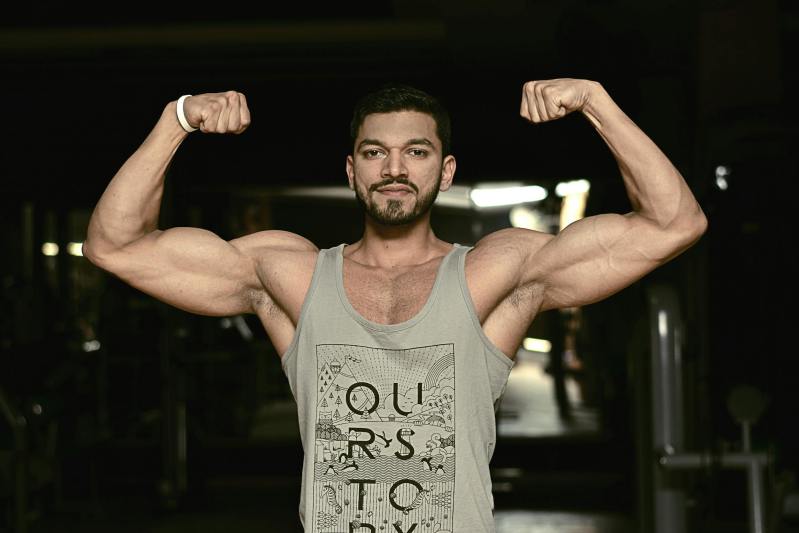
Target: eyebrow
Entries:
(421, 140)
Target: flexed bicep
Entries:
(600, 255)
(189, 268)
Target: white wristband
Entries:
(182, 117)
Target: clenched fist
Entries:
(547, 100)
(225, 112)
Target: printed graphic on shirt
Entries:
(385, 440)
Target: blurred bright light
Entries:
(722, 172)
(663, 324)
(537, 345)
(572, 208)
(75, 248)
(50, 249)
(565, 188)
(522, 216)
(456, 196)
(508, 195)
(91, 346)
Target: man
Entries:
(396, 347)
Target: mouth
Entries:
(395, 190)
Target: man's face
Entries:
(397, 169)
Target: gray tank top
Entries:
(397, 421)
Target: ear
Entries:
(447, 172)
(350, 172)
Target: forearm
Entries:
(130, 205)
(655, 187)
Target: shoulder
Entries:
(273, 240)
(498, 265)
(282, 261)
(508, 248)
(279, 255)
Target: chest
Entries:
(388, 296)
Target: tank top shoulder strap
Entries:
(326, 275)
(450, 289)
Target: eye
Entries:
(417, 152)
(372, 153)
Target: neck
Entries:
(392, 246)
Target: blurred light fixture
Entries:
(537, 345)
(91, 346)
(565, 188)
(663, 324)
(75, 248)
(721, 177)
(486, 196)
(242, 327)
(522, 216)
(50, 249)
(456, 196)
(575, 197)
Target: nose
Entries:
(394, 166)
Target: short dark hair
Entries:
(397, 97)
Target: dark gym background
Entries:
(96, 377)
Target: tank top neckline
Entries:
(431, 298)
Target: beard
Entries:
(393, 214)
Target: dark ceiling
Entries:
(83, 86)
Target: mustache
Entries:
(392, 181)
